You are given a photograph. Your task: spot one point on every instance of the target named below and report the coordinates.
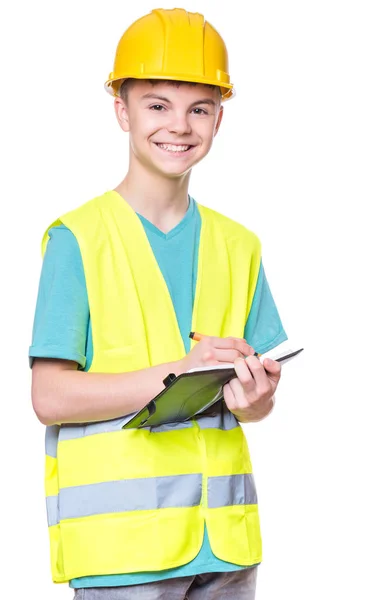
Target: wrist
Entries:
(179, 366)
(254, 416)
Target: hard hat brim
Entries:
(227, 89)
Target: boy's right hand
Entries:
(215, 350)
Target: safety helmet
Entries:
(171, 44)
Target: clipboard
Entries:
(188, 395)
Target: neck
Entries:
(161, 200)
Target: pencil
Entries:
(198, 337)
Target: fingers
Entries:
(249, 395)
(231, 343)
(254, 377)
(245, 376)
(211, 350)
(229, 396)
(222, 356)
(273, 369)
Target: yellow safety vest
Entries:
(124, 500)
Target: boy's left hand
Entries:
(249, 395)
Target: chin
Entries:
(175, 175)
(175, 167)
(174, 171)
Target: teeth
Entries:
(173, 148)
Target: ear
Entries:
(122, 116)
(219, 119)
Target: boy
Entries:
(165, 512)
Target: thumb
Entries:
(273, 368)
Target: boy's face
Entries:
(171, 127)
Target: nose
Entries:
(179, 123)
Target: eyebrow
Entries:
(205, 101)
(152, 96)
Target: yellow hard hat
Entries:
(171, 44)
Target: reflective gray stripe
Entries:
(227, 490)
(220, 418)
(51, 440)
(52, 510)
(79, 430)
(130, 494)
(73, 431)
(170, 427)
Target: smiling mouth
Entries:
(175, 148)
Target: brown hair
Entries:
(128, 83)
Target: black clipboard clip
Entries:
(151, 406)
(169, 379)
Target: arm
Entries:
(63, 394)
(264, 329)
(251, 396)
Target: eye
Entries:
(157, 107)
(199, 111)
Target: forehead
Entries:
(174, 91)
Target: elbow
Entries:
(42, 407)
(41, 410)
(46, 390)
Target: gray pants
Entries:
(237, 585)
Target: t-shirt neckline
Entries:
(175, 230)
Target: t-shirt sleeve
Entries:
(62, 309)
(264, 330)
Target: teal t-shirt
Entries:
(62, 329)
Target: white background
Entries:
(301, 158)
